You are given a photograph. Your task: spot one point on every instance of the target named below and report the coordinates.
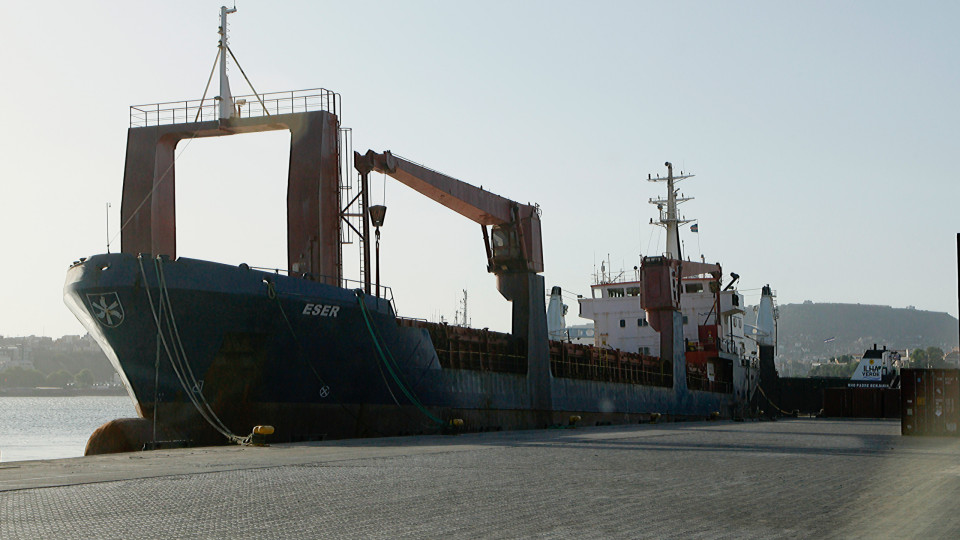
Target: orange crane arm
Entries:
(516, 241)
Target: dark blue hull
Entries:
(200, 343)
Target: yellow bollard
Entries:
(259, 435)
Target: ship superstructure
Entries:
(878, 368)
(620, 323)
(719, 352)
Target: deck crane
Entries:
(513, 245)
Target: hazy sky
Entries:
(822, 135)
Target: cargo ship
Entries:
(208, 350)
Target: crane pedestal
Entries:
(525, 291)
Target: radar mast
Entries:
(668, 210)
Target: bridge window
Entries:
(693, 287)
(633, 291)
(615, 293)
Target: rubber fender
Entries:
(120, 435)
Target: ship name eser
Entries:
(321, 310)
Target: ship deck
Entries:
(798, 477)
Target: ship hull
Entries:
(201, 344)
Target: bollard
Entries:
(259, 435)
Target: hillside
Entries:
(803, 328)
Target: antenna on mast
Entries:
(225, 98)
(668, 210)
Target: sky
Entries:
(822, 135)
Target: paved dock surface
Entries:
(793, 478)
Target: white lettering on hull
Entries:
(321, 310)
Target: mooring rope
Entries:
(387, 363)
(204, 410)
(272, 294)
(172, 323)
(772, 404)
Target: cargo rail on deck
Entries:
(247, 106)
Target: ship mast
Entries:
(226, 98)
(668, 210)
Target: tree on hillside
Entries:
(834, 369)
(918, 358)
(59, 379)
(84, 378)
(74, 361)
(929, 358)
(17, 377)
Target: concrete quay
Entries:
(799, 478)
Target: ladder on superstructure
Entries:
(353, 213)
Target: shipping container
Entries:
(861, 403)
(833, 402)
(929, 402)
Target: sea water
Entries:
(54, 427)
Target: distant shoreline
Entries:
(62, 392)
